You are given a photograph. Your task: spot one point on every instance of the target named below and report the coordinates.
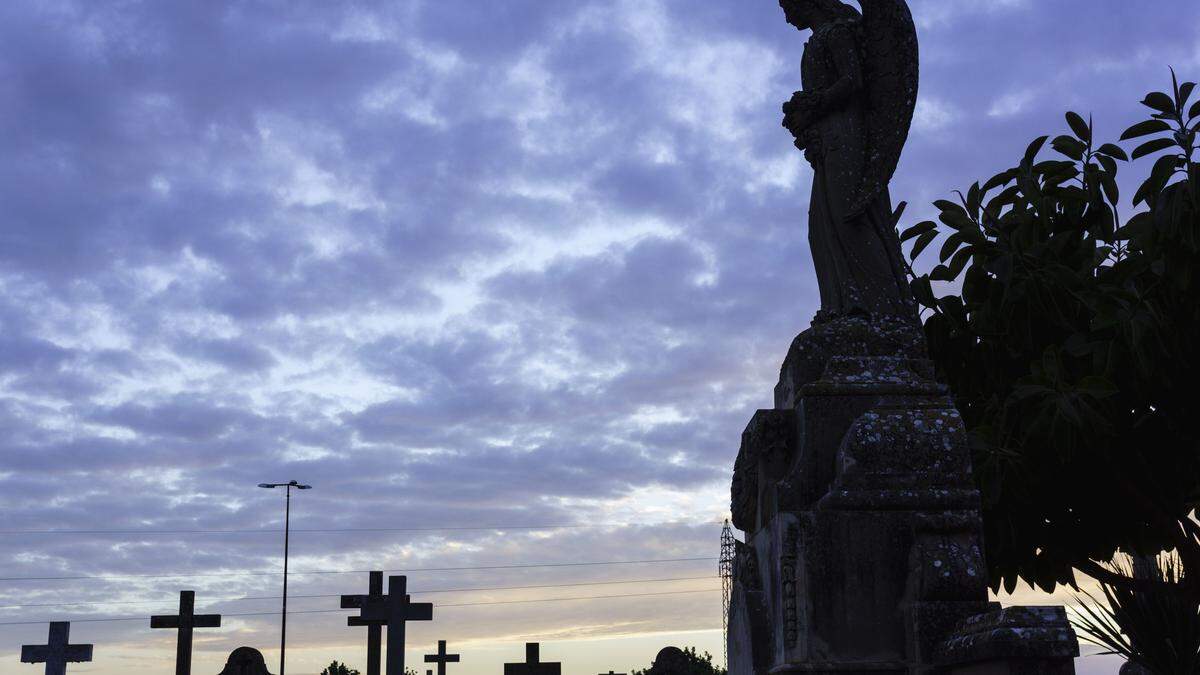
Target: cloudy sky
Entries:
(457, 264)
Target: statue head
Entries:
(806, 14)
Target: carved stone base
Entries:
(863, 545)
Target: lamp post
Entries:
(287, 515)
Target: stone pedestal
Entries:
(863, 548)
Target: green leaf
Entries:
(922, 242)
(1185, 93)
(1145, 129)
(1160, 102)
(1110, 188)
(1034, 148)
(941, 273)
(996, 181)
(919, 228)
(1113, 151)
(1153, 146)
(957, 219)
(923, 291)
(1195, 111)
(1080, 128)
(1109, 164)
(947, 205)
(1069, 147)
(959, 261)
(1097, 386)
(950, 246)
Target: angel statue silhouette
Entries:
(859, 73)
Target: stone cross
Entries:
(374, 597)
(57, 651)
(441, 658)
(393, 610)
(184, 622)
(533, 664)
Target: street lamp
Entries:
(287, 515)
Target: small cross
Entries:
(184, 622)
(533, 664)
(393, 610)
(441, 658)
(57, 651)
(375, 598)
(612, 673)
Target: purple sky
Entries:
(455, 263)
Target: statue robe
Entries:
(857, 261)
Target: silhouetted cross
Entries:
(612, 673)
(184, 622)
(393, 611)
(374, 628)
(57, 651)
(441, 658)
(533, 664)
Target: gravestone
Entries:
(533, 664)
(184, 623)
(245, 661)
(393, 611)
(375, 628)
(58, 650)
(670, 661)
(863, 544)
(441, 658)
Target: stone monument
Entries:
(184, 623)
(533, 665)
(862, 523)
(245, 661)
(58, 650)
(670, 661)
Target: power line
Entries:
(338, 595)
(307, 530)
(329, 611)
(115, 577)
(327, 530)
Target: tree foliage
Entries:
(1158, 631)
(336, 668)
(1070, 340)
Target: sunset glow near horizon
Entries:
(456, 264)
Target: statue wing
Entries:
(891, 75)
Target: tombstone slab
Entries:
(245, 661)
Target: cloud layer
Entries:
(454, 263)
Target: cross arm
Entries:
(206, 621)
(43, 653)
(419, 611)
(353, 601)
